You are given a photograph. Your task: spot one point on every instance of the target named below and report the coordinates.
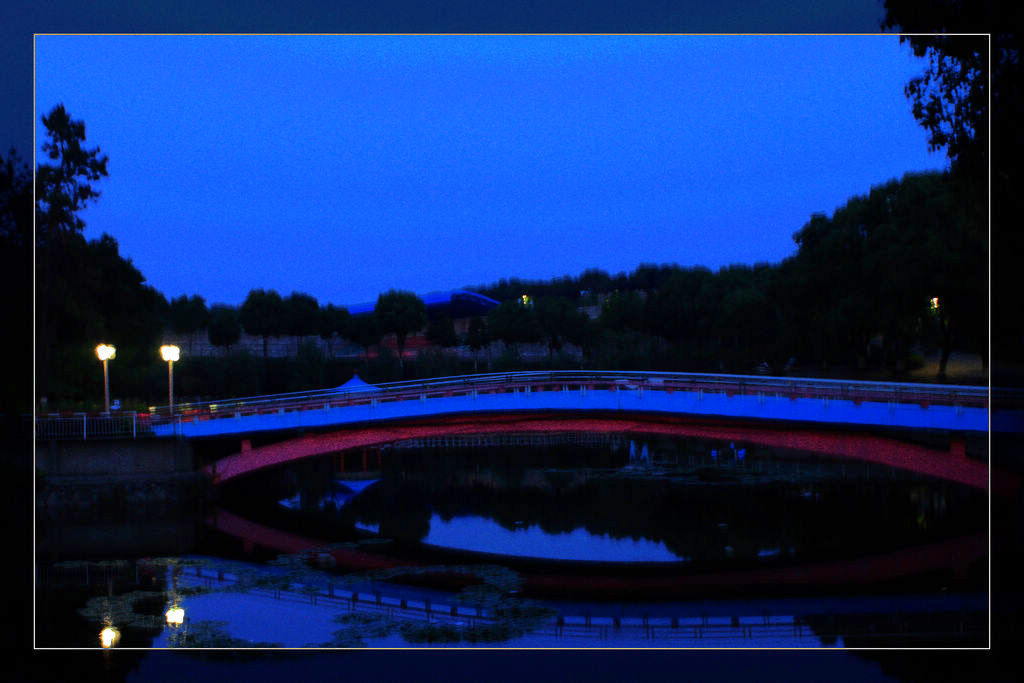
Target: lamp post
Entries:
(105, 352)
(170, 354)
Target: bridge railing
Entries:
(460, 385)
(82, 426)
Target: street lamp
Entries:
(170, 354)
(105, 352)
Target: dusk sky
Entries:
(344, 166)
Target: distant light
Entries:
(935, 303)
(525, 299)
(104, 352)
(170, 352)
(175, 616)
(109, 636)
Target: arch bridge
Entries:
(841, 418)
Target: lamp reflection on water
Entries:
(109, 637)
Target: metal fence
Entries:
(938, 394)
(85, 427)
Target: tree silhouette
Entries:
(441, 331)
(263, 315)
(188, 315)
(334, 320)
(477, 337)
(364, 330)
(63, 189)
(400, 313)
(514, 323)
(301, 315)
(225, 328)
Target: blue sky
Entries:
(343, 166)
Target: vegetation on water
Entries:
(505, 616)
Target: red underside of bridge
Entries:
(949, 464)
(955, 555)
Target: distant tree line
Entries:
(900, 268)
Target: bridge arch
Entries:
(949, 464)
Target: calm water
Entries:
(531, 541)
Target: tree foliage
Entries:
(333, 320)
(441, 331)
(559, 322)
(301, 315)
(477, 337)
(622, 311)
(188, 315)
(65, 187)
(225, 327)
(365, 331)
(950, 99)
(514, 323)
(400, 313)
(263, 315)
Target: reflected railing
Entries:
(690, 628)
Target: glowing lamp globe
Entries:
(170, 353)
(175, 616)
(104, 352)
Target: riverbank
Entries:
(139, 496)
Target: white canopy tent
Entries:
(356, 384)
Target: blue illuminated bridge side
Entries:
(825, 402)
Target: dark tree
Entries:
(188, 315)
(477, 337)
(623, 310)
(950, 102)
(441, 331)
(301, 315)
(63, 188)
(514, 323)
(263, 315)
(670, 312)
(334, 320)
(559, 322)
(400, 313)
(364, 330)
(225, 327)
